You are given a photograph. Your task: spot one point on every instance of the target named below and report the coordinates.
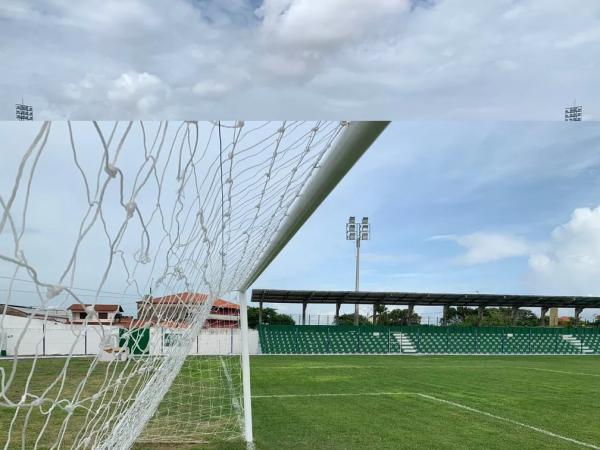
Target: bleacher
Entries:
(315, 339)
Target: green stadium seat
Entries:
(285, 339)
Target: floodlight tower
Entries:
(357, 232)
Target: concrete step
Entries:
(406, 345)
(575, 342)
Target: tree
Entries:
(525, 318)
(348, 319)
(462, 315)
(399, 317)
(270, 316)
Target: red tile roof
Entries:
(98, 308)
(188, 297)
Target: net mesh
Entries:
(120, 244)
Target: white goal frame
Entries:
(348, 149)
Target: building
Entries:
(180, 308)
(53, 315)
(105, 314)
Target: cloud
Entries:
(210, 89)
(131, 93)
(571, 263)
(589, 36)
(141, 91)
(351, 58)
(317, 26)
(568, 263)
(484, 247)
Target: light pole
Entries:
(357, 232)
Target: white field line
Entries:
(507, 420)
(447, 402)
(334, 366)
(420, 367)
(561, 371)
(339, 394)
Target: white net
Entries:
(120, 244)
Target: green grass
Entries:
(531, 390)
(391, 402)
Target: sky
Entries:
(252, 59)
(454, 206)
(462, 207)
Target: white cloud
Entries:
(316, 26)
(589, 36)
(211, 89)
(567, 263)
(351, 58)
(484, 247)
(142, 92)
(131, 93)
(571, 264)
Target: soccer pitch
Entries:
(383, 402)
(391, 402)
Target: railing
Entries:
(329, 319)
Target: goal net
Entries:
(120, 247)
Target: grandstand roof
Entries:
(422, 298)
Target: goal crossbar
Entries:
(352, 144)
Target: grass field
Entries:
(445, 402)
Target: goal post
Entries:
(246, 388)
(126, 253)
(355, 140)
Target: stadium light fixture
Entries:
(357, 232)
(573, 113)
(24, 112)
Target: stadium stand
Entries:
(306, 339)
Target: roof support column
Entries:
(260, 307)
(554, 317)
(303, 313)
(337, 312)
(514, 315)
(578, 311)
(543, 312)
(411, 309)
(445, 315)
(480, 310)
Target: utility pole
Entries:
(357, 232)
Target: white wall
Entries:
(51, 338)
(38, 337)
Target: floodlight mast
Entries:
(357, 232)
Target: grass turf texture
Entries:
(390, 402)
